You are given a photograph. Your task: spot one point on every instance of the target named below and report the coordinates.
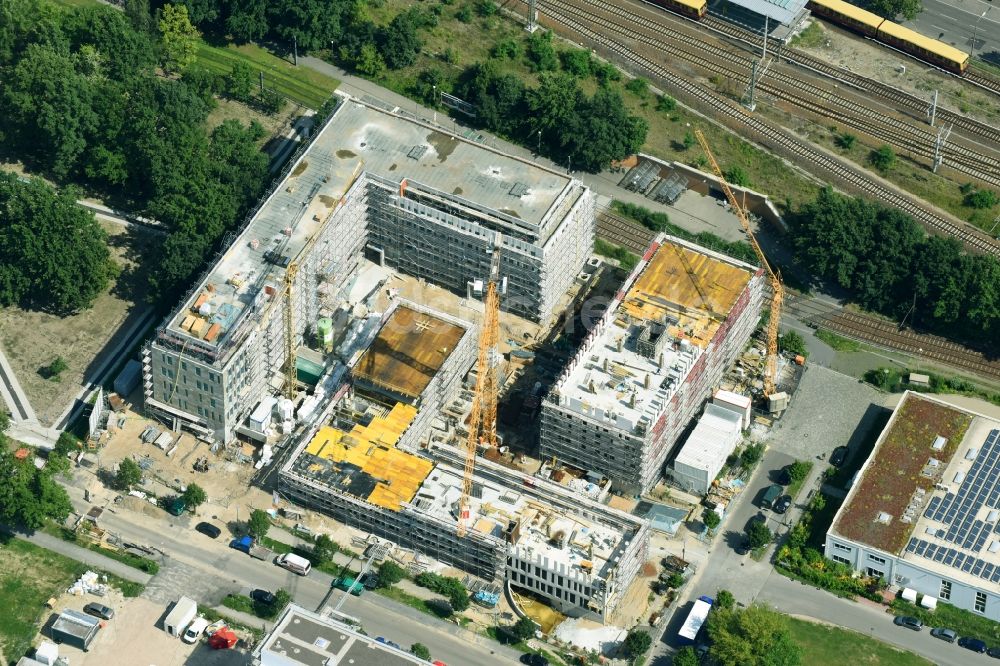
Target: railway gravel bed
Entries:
(631, 235)
(831, 166)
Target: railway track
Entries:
(983, 81)
(904, 99)
(626, 233)
(782, 85)
(841, 171)
(886, 334)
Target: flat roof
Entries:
(307, 638)
(364, 462)
(913, 453)
(712, 440)
(408, 351)
(783, 11)
(681, 296)
(359, 138)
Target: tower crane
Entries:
(483, 418)
(777, 289)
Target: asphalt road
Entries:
(957, 22)
(217, 570)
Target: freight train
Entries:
(861, 21)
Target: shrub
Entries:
(882, 159)
(666, 104)
(637, 643)
(735, 175)
(390, 573)
(724, 599)
(420, 650)
(981, 199)
(798, 470)
(711, 519)
(508, 49)
(793, 343)
(751, 455)
(845, 140)
(638, 87)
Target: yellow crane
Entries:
(778, 291)
(291, 272)
(483, 418)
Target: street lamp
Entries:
(435, 104)
(975, 29)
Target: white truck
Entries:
(180, 616)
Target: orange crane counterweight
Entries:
(778, 291)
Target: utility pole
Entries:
(532, 17)
(295, 50)
(435, 104)
(757, 70)
(262, 80)
(942, 136)
(975, 30)
(932, 111)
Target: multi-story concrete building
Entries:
(418, 198)
(924, 511)
(644, 370)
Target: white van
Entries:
(294, 563)
(195, 630)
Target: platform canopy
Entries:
(785, 12)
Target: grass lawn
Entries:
(966, 623)
(406, 599)
(302, 85)
(822, 644)
(838, 343)
(811, 36)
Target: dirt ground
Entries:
(32, 340)
(227, 109)
(136, 636)
(226, 482)
(878, 62)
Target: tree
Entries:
(194, 496)
(247, 21)
(178, 38)
(390, 573)
(638, 87)
(370, 62)
(665, 103)
(259, 524)
(29, 496)
(636, 643)
(891, 9)
(323, 550)
(751, 455)
(711, 519)
(686, 656)
(576, 62)
(798, 470)
(129, 474)
(759, 534)
(420, 651)
(882, 159)
(399, 43)
(754, 636)
(793, 343)
(724, 599)
(845, 140)
(735, 175)
(522, 630)
(981, 199)
(540, 52)
(240, 81)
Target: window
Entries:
(840, 546)
(875, 573)
(945, 593)
(980, 602)
(876, 558)
(842, 560)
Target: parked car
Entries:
(370, 581)
(947, 635)
(532, 659)
(839, 456)
(994, 652)
(973, 644)
(782, 504)
(262, 596)
(208, 529)
(771, 493)
(194, 630)
(99, 610)
(908, 622)
(785, 476)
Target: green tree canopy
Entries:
(323, 549)
(29, 496)
(178, 38)
(390, 573)
(259, 524)
(194, 496)
(892, 9)
(754, 636)
(710, 518)
(129, 474)
(725, 599)
(793, 343)
(759, 534)
(637, 643)
(420, 651)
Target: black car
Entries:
(208, 529)
(262, 596)
(994, 652)
(534, 660)
(910, 623)
(785, 477)
(370, 581)
(973, 644)
(838, 456)
(99, 610)
(782, 504)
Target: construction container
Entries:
(324, 330)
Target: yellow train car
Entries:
(941, 54)
(693, 8)
(847, 15)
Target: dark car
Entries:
(262, 596)
(208, 529)
(784, 476)
(994, 652)
(947, 635)
(908, 622)
(838, 456)
(973, 644)
(534, 660)
(370, 581)
(782, 504)
(743, 547)
(99, 610)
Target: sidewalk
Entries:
(86, 556)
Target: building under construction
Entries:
(419, 199)
(644, 370)
(369, 462)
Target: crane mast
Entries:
(483, 417)
(778, 291)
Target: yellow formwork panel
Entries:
(372, 448)
(697, 289)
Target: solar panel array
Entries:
(957, 512)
